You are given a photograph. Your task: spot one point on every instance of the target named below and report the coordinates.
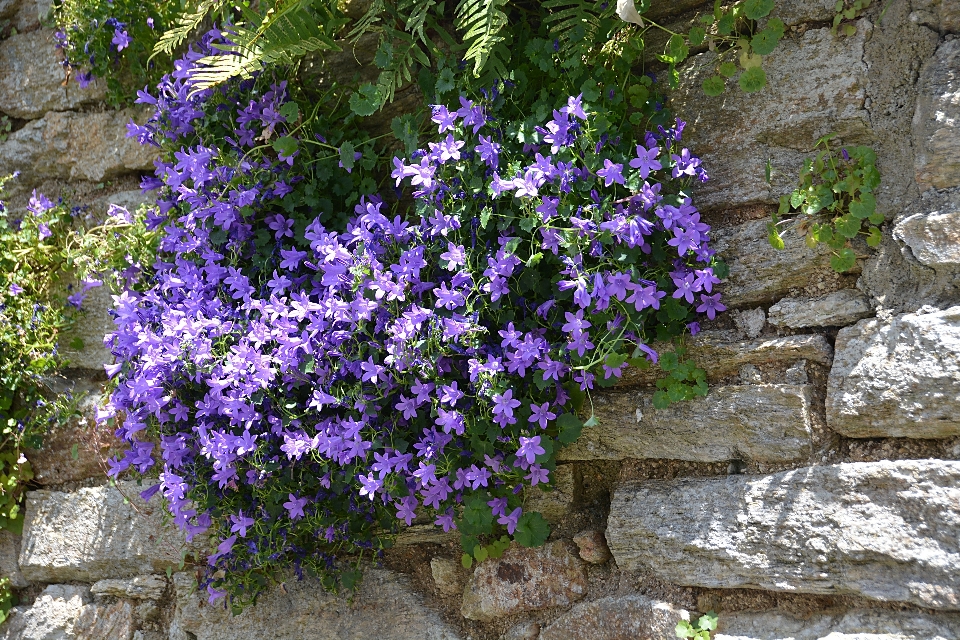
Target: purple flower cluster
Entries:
(303, 387)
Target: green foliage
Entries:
(481, 22)
(835, 202)
(5, 127)
(7, 598)
(684, 380)
(700, 631)
(49, 256)
(845, 12)
(88, 28)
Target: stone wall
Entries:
(814, 493)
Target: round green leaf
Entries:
(844, 260)
(727, 69)
(753, 79)
(714, 85)
(756, 9)
(697, 35)
(765, 42)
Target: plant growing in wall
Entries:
(834, 201)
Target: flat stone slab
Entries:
(933, 236)
(32, 81)
(9, 552)
(936, 122)
(766, 423)
(52, 616)
(524, 579)
(722, 353)
(632, 617)
(384, 607)
(897, 379)
(75, 146)
(887, 531)
(836, 309)
(758, 272)
(90, 535)
(854, 624)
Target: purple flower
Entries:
(15, 289)
(406, 509)
(611, 173)
(710, 305)
(530, 448)
(503, 406)
(646, 160)
(121, 39)
(538, 475)
(512, 520)
(43, 231)
(295, 506)
(241, 523)
(541, 413)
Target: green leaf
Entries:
(677, 49)
(347, 152)
(366, 100)
(532, 530)
(714, 85)
(756, 9)
(727, 69)
(753, 79)
(286, 146)
(75, 451)
(844, 261)
(863, 208)
(684, 629)
(76, 344)
(480, 553)
(592, 422)
(570, 427)
(384, 56)
(290, 111)
(875, 237)
(774, 237)
(697, 36)
(847, 226)
(725, 24)
(405, 130)
(708, 621)
(765, 42)
(446, 81)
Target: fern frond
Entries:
(481, 22)
(187, 22)
(370, 18)
(282, 36)
(416, 12)
(565, 16)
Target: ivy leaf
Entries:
(753, 79)
(765, 42)
(697, 35)
(286, 146)
(290, 111)
(756, 9)
(366, 100)
(844, 260)
(570, 427)
(446, 81)
(847, 226)
(347, 152)
(774, 238)
(532, 530)
(714, 85)
(727, 69)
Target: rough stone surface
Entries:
(768, 423)
(9, 552)
(722, 353)
(522, 631)
(524, 579)
(750, 322)
(31, 13)
(303, 610)
(815, 85)
(32, 80)
(883, 530)
(836, 309)
(558, 502)
(426, 533)
(52, 616)
(75, 146)
(632, 617)
(856, 624)
(936, 123)
(897, 379)
(99, 622)
(149, 587)
(56, 462)
(91, 326)
(447, 575)
(933, 237)
(758, 272)
(90, 535)
(593, 546)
